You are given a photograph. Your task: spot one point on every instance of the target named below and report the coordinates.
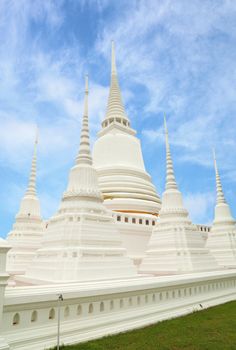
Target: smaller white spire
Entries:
(84, 155)
(170, 177)
(219, 191)
(31, 190)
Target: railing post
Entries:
(60, 298)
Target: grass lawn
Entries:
(212, 329)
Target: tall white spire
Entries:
(83, 182)
(223, 216)
(84, 155)
(175, 245)
(26, 235)
(82, 241)
(31, 190)
(117, 156)
(115, 107)
(222, 239)
(219, 190)
(170, 176)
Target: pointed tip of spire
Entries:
(214, 159)
(113, 58)
(36, 135)
(219, 191)
(86, 83)
(214, 153)
(165, 124)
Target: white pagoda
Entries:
(117, 154)
(175, 245)
(222, 237)
(27, 233)
(82, 241)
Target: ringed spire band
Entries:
(84, 155)
(219, 190)
(170, 177)
(115, 107)
(31, 190)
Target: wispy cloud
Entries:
(200, 207)
(181, 53)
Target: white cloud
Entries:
(200, 206)
(175, 50)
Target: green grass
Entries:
(212, 329)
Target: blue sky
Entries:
(176, 57)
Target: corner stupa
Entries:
(117, 154)
(222, 237)
(81, 240)
(28, 229)
(175, 246)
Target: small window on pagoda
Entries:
(51, 314)
(153, 223)
(147, 222)
(79, 310)
(34, 316)
(16, 319)
(133, 221)
(102, 306)
(126, 219)
(90, 308)
(118, 218)
(140, 221)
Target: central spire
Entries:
(219, 191)
(84, 155)
(115, 107)
(170, 177)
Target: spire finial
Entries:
(31, 190)
(84, 156)
(113, 58)
(170, 177)
(219, 190)
(36, 135)
(115, 107)
(86, 84)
